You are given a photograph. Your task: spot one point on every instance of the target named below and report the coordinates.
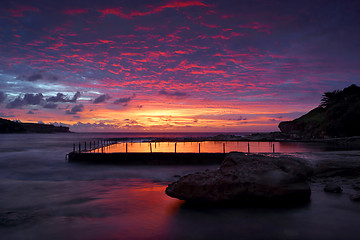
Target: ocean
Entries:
(42, 196)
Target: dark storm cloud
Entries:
(238, 119)
(50, 105)
(34, 77)
(38, 76)
(125, 100)
(33, 99)
(75, 109)
(122, 100)
(176, 93)
(17, 103)
(28, 99)
(2, 97)
(75, 97)
(60, 97)
(4, 115)
(101, 98)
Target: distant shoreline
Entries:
(10, 127)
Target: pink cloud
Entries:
(140, 28)
(75, 11)
(257, 26)
(173, 4)
(19, 11)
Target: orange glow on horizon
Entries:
(170, 115)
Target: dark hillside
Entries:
(7, 126)
(338, 115)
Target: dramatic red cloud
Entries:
(113, 11)
(20, 9)
(172, 65)
(257, 26)
(153, 10)
(144, 28)
(75, 11)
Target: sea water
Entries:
(44, 197)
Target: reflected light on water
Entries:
(134, 210)
(209, 147)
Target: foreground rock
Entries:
(355, 197)
(333, 188)
(243, 177)
(340, 164)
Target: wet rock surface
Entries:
(356, 185)
(247, 177)
(355, 197)
(333, 188)
(340, 164)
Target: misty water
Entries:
(42, 196)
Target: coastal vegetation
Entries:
(338, 115)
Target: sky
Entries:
(174, 65)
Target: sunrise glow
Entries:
(119, 66)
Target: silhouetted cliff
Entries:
(338, 115)
(7, 126)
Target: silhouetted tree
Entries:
(329, 98)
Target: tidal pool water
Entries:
(215, 147)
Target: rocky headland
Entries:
(7, 126)
(338, 115)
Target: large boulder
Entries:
(332, 188)
(246, 177)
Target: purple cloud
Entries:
(76, 109)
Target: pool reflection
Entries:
(132, 209)
(213, 147)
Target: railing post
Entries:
(223, 147)
(199, 147)
(150, 148)
(248, 147)
(73, 147)
(126, 148)
(102, 148)
(79, 147)
(273, 148)
(175, 147)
